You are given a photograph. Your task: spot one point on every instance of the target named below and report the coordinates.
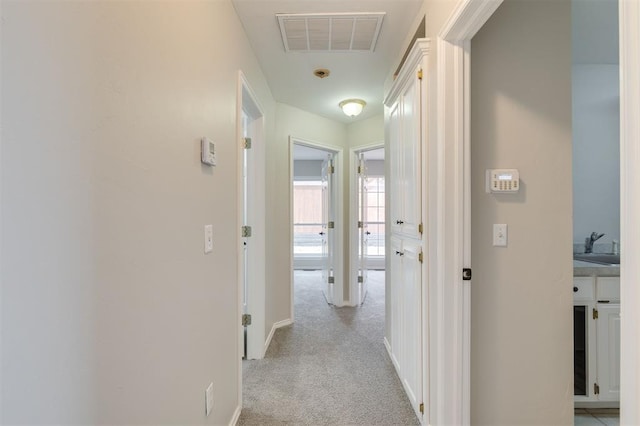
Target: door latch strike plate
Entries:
(466, 274)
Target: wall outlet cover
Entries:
(209, 398)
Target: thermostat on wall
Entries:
(208, 152)
(503, 180)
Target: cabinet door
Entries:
(608, 351)
(412, 323)
(395, 167)
(395, 299)
(411, 158)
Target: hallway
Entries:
(330, 367)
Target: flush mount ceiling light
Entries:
(352, 107)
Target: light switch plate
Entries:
(208, 238)
(500, 234)
(209, 398)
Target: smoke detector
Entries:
(321, 73)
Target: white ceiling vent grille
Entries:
(329, 32)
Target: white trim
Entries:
(236, 416)
(338, 158)
(450, 296)
(258, 266)
(275, 326)
(353, 220)
(247, 101)
(629, 21)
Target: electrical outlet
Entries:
(208, 394)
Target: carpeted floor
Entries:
(329, 368)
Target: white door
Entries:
(410, 164)
(395, 299)
(246, 167)
(395, 168)
(363, 228)
(412, 323)
(328, 225)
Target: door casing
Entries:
(338, 253)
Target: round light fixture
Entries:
(352, 107)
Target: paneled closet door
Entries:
(396, 302)
(395, 167)
(411, 157)
(412, 322)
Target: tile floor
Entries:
(597, 417)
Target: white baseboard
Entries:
(275, 326)
(236, 416)
(391, 357)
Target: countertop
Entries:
(587, 269)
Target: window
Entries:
(307, 218)
(374, 220)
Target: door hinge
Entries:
(419, 74)
(421, 257)
(420, 228)
(331, 280)
(360, 224)
(331, 224)
(246, 143)
(360, 279)
(331, 169)
(466, 274)
(359, 170)
(596, 389)
(246, 231)
(595, 313)
(246, 320)
(422, 407)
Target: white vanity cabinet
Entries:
(596, 304)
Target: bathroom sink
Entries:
(599, 258)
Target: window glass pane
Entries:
(307, 218)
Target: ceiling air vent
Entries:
(305, 32)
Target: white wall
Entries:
(111, 311)
(300, 124)
(596, 152)
(521, 316)
(307, 169)
(366, 132)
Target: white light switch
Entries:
(209, 398)
(208, 238)
(500, 234)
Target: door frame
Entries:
(338, 287)
(629, 22)
(450, 304)
(247, 101)
(353, 218)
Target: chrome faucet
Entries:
(588, 242)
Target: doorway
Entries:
(367, 207)
(251, 229)
(317, 215)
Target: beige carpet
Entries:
(329, 368)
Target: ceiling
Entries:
(353, 74)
